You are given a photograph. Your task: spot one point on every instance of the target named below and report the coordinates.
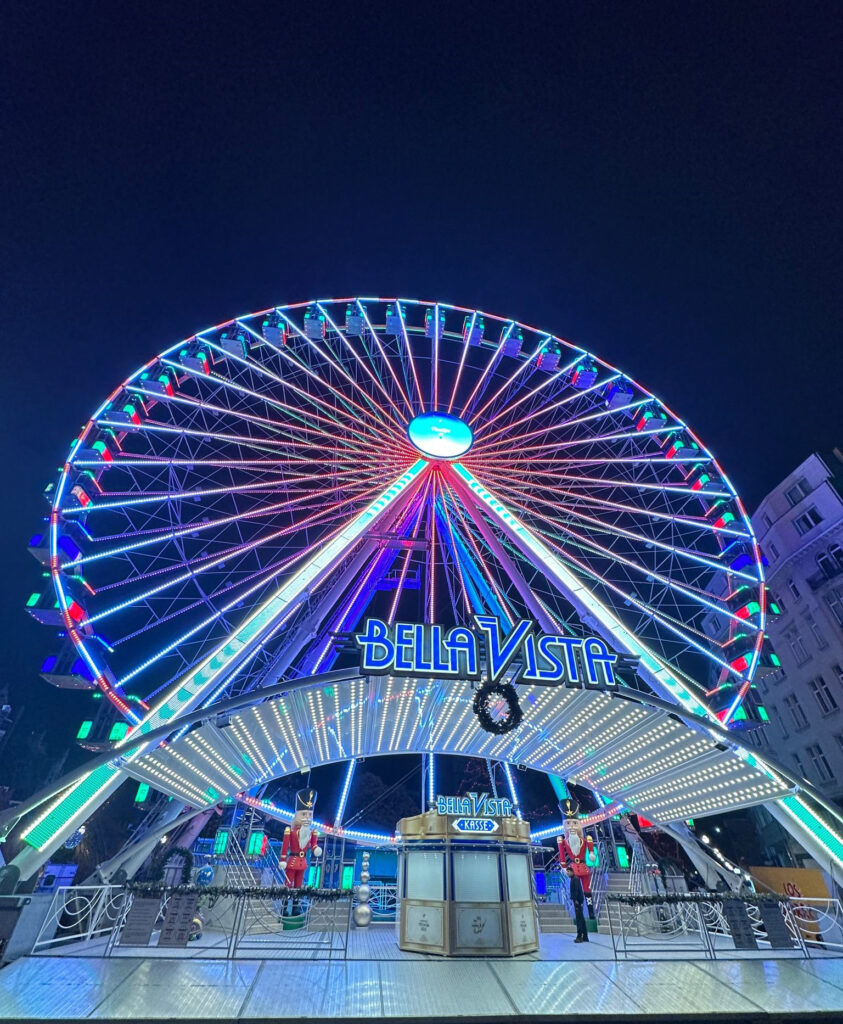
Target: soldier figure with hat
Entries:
(299, 839)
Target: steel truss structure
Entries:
(233, 509)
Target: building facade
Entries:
(800, 528)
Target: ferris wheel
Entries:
(235, 508)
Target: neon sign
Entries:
(475, 806)
(413, 649)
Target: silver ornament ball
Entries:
(364, 893)
(364, 876)
(362, 915)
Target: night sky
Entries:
(657, 182)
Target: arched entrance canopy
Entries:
(647, 758)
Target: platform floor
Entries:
(126, 990)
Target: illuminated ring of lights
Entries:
(219, 465)
(509, 719)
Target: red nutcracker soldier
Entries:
(575, 849)
(300, 838)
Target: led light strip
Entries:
(188, 693)
(595, 613)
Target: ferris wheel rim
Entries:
(92, 425)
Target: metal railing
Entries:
(699, 926)
(255, 922)
(80, 913)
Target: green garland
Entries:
(693, 897)
(271, 892)
(159, 862)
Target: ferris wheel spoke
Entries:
(375, 410)
(614, 482)
(673, 550)
(513, 377)
(543, 407)
(566, 570)
(641, 512)
(446, 535)
(376, 380)
(350, 405)
(385, 357)
(324, 508)
(463, 355)
(328, 415)
(332, 412)
(129, 499)
(594, 439)
(494, 359)
(684, 632)
(400, 313)
(479, 561)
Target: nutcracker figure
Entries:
(575, 849)
(299, 839)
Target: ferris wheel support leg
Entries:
(822, 836)
(814, 834)
(63, 816)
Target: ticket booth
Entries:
(465, 884)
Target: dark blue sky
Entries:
(658, 182)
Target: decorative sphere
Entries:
(205, 875)
(364, 893)
(364, 876)
(362, 915)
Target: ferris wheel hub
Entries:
(439, 435)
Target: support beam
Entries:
(200, 683)
(823, 838)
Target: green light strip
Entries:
(194, 686)
(629, 642)
(828, 839)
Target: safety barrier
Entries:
(712, 925)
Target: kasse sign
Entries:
(413, 649)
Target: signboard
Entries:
(474, 805)
(775, 924)
(178, 919)
(475, 826)
(740, 927)
(807, 883)
(140, 921)
(415, 649)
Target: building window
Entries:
(823, 696)
(799, 491)
(794, 590)
(791, 702)
(818, 635)
(821, 765)
(768, 522)
(797, 647)
(839, 739)
(774, 715)
(836, 553)
(780, 603)
(774, 551)
(800, 768)
(834, 600)
(838, 671)
(807, 521)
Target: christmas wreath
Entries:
(490, 692)
(159, 861)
